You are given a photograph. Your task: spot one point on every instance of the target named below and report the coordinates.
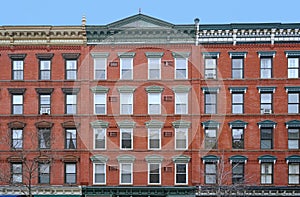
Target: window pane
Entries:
(71, 138)
(237, 63)
(71, 99)
(210, 63)
(45, 64)
(237, 98)
(266, 98)
(17, 99)
(100, 135)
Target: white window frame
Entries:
(69, 68)
(151, 64)
(94, 174)
(17, 100)
(43, 69)
(185, 131)
(131, 173)
(266, 61)
(149, 137)
(98, 65)
(181, 99)
(158, 102)
(100, 103)
(94, 131)
(293, 64)
(210, 68)
(18, 66)
(264, 174)
(293, 173)
(124, 101)
(186, 173)
(121, 69)
(176, 68)
(73, 99)
(149, 173)
(122, 130)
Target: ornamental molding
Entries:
(42, 35)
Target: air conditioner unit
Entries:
(45, 111)
(266, 111)
(210, 76)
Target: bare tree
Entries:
(24, 167)
(223, 181)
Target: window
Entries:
(154, 171)
(237, 138)
(294, 173)
(100, 103)
(293, 67)
(126, 68)
(126, 139)
(238, 172)
(100, 68)
(17, 62)
(266, 103)
(210, 103)
(16, 173)
(154, 65)
(71, 104)
(154, 139)
(99, 173)
(71, 69)
(181, 138)
(266, 173)
(71, 139)
(18, 69)
(126, 173)
(45, 69)
(293, 102)
(181, 103)
(266, 138)
(181, 68)
(45, 101)
(210, 68)
(181, 176)
(266, 67)
(211, 138)
(99, 138)
(17, 105)
(44, 138)
(70, 173)
(237, 103)
(126, 103)
(17, 138)
(293, 138)
(44, 173)
(210, 173)
(154, 103)
(237, 68)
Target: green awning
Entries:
(266, 89)
(267, 158)
(211, 54)
(237, 54)
(293, 158)
(210, 89)
(293, 124)
(238, 158)
(210, 158)
(210, 124)
(266, 53)
(292, 89)
(238, 123)
(267, 124)
(292, 53)
(238, 89)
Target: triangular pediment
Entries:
(140, 21)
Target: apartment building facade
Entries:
(143, 107)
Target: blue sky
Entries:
(101, 12)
